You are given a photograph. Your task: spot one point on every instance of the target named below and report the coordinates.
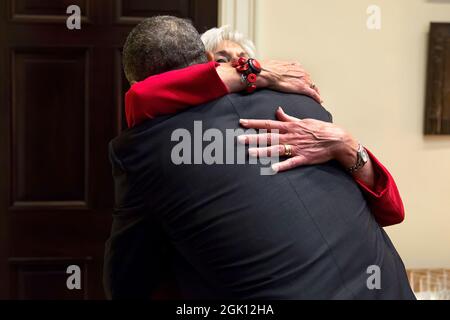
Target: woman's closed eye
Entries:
(222, 60)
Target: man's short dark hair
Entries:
(159, 44)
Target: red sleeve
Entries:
(384, 199)
(173, 91)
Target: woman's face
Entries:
(228, 51)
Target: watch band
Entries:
(360, 161)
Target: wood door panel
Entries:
(50, 86)
(45, 7)
(202, 13)
(143, 8)
(61, 102)
(56, 233)
(45, 279)
(44, 10)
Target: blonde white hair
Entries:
(214, 36)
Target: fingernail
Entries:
(241, 139)
(252, 152)
(275, 167)
(243, 122)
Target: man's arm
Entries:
(137, 252)
(136, 258)
(176, 90)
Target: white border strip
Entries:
(240, 15)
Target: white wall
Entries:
(374, 84)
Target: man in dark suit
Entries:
(225, 230)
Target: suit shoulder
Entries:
(264, 103)
(123, 145)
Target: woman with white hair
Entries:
(306, 142)
(227, 44)
(176, 90)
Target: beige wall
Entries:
(374, 84)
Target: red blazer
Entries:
(176, 90)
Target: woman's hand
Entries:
(289, 77)
(308, 141)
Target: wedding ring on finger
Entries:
(287, 150)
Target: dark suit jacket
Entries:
(227, 231)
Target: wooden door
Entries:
(61, 101)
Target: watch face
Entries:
(364, 155)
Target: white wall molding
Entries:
(240, 15)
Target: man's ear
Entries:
(210, 55)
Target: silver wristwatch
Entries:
(362, 158)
